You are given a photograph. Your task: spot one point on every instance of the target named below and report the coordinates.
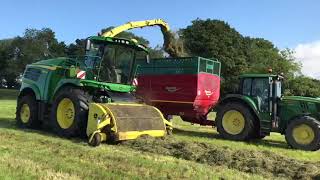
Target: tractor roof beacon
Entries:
(90, 95)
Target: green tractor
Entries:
(91, 95)
(260, 108)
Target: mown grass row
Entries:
(275, 143)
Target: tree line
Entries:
(207, 38)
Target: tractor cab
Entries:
(265, 89)
(112, 60)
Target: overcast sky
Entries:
(287, 23)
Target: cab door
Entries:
(261, 90)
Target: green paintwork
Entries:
(29, 84)
(295, 106)
(301, 98)
(108, 86)
(238, 97)
(113, 40)
(52, 62)
(288, 107)
(46, 77)
(186, 65)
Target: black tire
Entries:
(96, 140)
(248, 128)
(258, 136)
(111, 136)
(256, 132)
(30, 121)
(310, 122)
(80, 100)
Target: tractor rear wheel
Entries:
(69, 113)
(235, 122)
(304, 133)
(27, 109)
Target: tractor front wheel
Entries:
(69, 113)
(304, 133)
(235, 122)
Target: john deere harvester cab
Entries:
(112, 59)
(260, 108)
(90, 95)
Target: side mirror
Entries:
(148, 59)
(88, 45)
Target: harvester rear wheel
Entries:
(27, 109)
(69, 113)
(304, 133)
(234, 121)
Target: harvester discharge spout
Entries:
(171, 45)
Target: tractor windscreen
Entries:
(115, 63)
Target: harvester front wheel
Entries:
(235, 122)
(304, 133)
(95, 140)
(27, 109)
(70, 112)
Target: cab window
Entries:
(261, 91)
(246, 86)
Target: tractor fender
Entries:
(63, 83)
(284, 125)
(30, 88)
(241, 99)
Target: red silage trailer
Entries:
(187, 87)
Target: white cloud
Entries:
(309, 55)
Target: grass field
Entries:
(192, 152)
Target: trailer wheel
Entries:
(27, 109)
(235, 122)
(69, 113)
(304, 133)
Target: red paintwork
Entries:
(193, 94)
